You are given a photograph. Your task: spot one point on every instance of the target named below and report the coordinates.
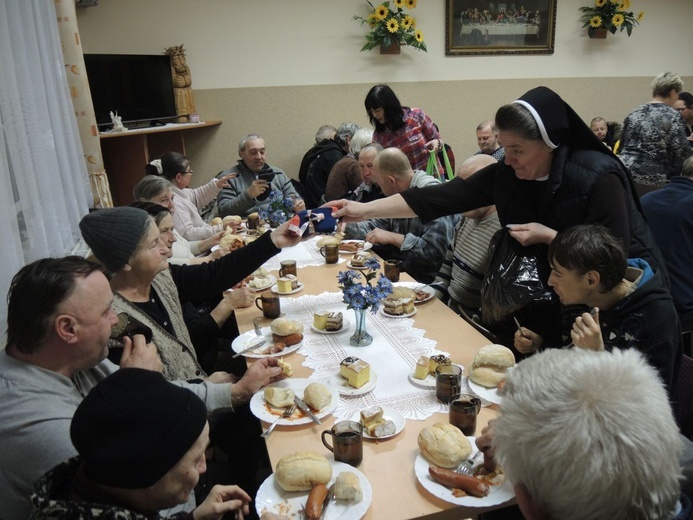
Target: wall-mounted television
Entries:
(137, 86)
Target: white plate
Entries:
(247, 338)
(388, 413)
(275, 289)
(345, 326)
(271, 281)
(381, 310)
(497, 494)
(258, 405)
(347, 252)
(343, 387)
(428, 382)
(414, 285)
(272, 498)
(490, 394)
(357, 267)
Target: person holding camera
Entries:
(249, 190)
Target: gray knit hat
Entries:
(113, 234)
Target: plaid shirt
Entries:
(418, 129)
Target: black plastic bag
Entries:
(517, 278)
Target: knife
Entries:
(305, 408)
(326, 502)
(251, 347)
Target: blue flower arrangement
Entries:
(359, 296)
(279, 210)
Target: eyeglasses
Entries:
(682, 109)
(188, 171)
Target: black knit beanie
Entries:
(113, 234)
(134, 426)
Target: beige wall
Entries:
(282, 69)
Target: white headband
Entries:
(540, 123)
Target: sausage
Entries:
(316, 497)
(470, 485)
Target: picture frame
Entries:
(480, 28)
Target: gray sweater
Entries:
(35, 413)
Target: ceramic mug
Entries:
(347, 442)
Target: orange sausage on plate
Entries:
(470, 485)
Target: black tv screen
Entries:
(138, 87)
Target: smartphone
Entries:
(267, 176)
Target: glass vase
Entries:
(360, 338)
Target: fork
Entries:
(287, 413)
(256, 324)
(467, 466)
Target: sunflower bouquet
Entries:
(390, 25)
(612, 15)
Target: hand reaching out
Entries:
(531, 233)
(586, 332)
(526, 341)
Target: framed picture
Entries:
(476, 27)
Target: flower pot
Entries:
(394, 48)
(599, 33)
(360, 338)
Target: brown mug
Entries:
(464, 409)
(347, 442)
(392, 270)
(270, 305)
(448, 381)
(253, 221)
(330, 252)
(287, 267)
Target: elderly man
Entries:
(467, 259)
(58, 325)
(368, 190)
(136, 456)
(487, 139)
(421, 247)
(586, 434)
(249, 190)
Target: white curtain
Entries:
(44, 188)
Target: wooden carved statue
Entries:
(182, 81)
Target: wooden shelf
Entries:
(125, 154)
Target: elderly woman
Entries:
(653, 141)
(556, 174)
(127, 242)
(175, 167)
(408, 129)
(160, 191)
(345, 175)
(206, 328)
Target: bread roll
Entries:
(348, 487)
(323, 241)
(279, 397)
(490, 365)
(216, 221)
(403, 292)
(444, 445)
(287, 369)
(302, 470)
(285, 326)
(317, 396)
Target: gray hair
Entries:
(249, 137)
(347, 129)
(590, 435)
(150, 186)
(687, 169)
(362, 137)
(487, 124)
(665, 83)
(325, 132)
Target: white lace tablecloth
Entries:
(306, 253)
(396, 347)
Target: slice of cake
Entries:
(407, 305)
(284, 284)
(422, 367)
(393, 307)
(371, 417)
(334, 321)
(384, 428)
(359, 259)
(320, 320)
(356, 371)
(434, 361)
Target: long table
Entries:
(388, 464)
